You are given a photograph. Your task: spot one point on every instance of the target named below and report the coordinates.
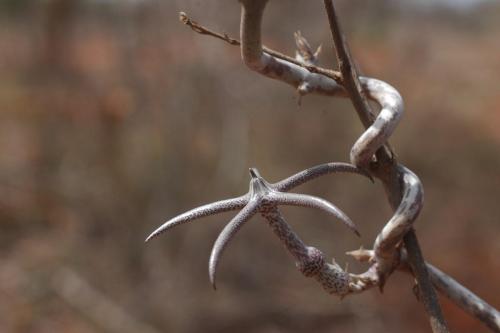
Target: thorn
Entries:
(253, 173)
(366, 173)
(352, 226)
(304, 52)
(149, 238)
(183, 18)
(360, 255)
(318, 51)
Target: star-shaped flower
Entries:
(263, 197)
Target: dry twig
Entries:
(95, 306)
(196, 27)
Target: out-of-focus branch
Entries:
(98, 308)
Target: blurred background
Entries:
(115, 117)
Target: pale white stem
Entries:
(402, 220)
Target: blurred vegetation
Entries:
(114, 117)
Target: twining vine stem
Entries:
(351, 83)
(370, 156)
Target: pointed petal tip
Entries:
(364, 172)
(354, 229)
(348, 222)
(352, 226)
(153, 235)
(254, 173)
(318, 51)
(212, 268)
(211, 277)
